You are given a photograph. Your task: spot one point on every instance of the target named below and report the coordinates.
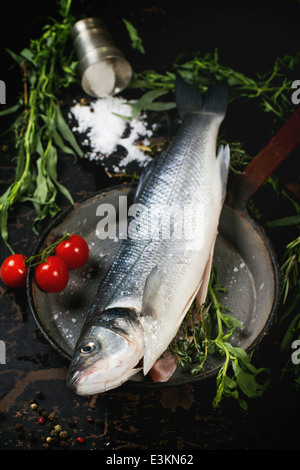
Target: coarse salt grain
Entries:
(104, 130)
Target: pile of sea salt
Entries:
(105, 128)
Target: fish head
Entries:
(107, 352)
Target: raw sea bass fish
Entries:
(154, 279)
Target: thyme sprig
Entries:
(190, 346)
(291, 299)
(290, 285)
(290, 267)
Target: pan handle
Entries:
(265, 162)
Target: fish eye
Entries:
(87, 348)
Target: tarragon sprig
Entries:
(243, 377)
(40, 129)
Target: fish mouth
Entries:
(73, 379)
(87, 382)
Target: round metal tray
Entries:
(250, 285)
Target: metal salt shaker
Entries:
(103, 68)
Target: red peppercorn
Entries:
(41, 420)
(80, 440)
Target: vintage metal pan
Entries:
(244, 258)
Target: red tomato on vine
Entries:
(13, 271)
(52, 275)
(74, 251)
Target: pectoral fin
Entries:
(202, 292)
(152, 304)
(151, 297)
(223, 158)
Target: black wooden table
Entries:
(32, 381)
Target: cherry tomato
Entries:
(74, 250)
(13, 271)
(52, 275)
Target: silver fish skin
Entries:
(160, 267)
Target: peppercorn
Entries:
(41, 420)
(80, 440)
(63, 434)
(63, 443)
(45, 414)
(33, 406)
(49, 439)
(58, 428)
(53, 418)
(53, 433)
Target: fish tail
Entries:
(216, 99)
(190, 101)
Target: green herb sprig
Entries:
(245, 374)
(136, 41)
(40, 129)
(291, 300)
(290, 285)
(190, 346)
(196, 340)
(290, 267)
(271, 90)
